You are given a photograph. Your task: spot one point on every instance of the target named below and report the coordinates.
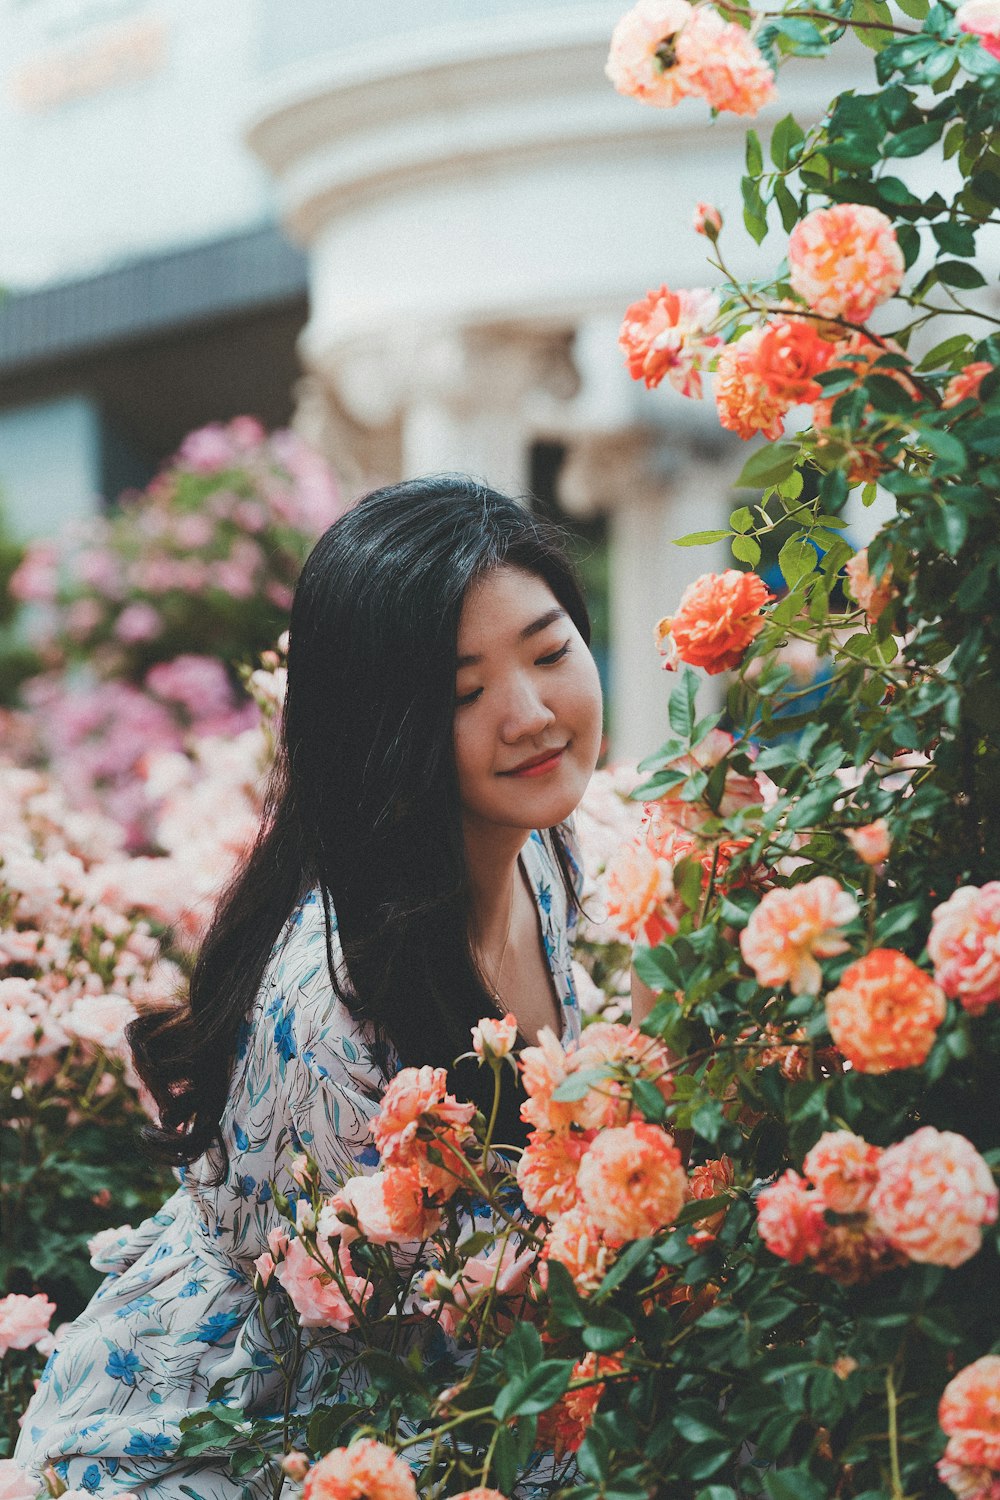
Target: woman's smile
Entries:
(539, 765)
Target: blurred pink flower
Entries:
(16, 1483)
(138, 622)
(964, 946)
(314, 1292)
(933, 1196)
(24, 1320)
(981, 18)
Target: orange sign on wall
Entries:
(117, 55)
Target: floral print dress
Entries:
(177, 1312)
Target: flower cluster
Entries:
(859, 1209)
(663, 51)
(600, 1176)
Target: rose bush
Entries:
(139, 617)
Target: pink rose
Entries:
(24, 1320)
(933, 1196)
(315, 1293)
(871, 843)
(964, 946)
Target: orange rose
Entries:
(665, 335)
(885, 1012)
(718, 617)
(744, 403)
(788, 357)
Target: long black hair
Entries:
(363, 803)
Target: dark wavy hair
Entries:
(363, 802)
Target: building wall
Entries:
(121, 130)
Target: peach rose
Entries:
(502, 1270)
(638, 886)
(578, 1245)
(295, 1465)
(981, 18)
(546, 1172)
(872, 843)
(885, 1012)
(666, 335)
(871, 595)
(965, 385)
(969, 1413)
(643, 60)
(744, 403)
(964, 946)
(604, 1047)
(264, 1266)
(314, 1292)
(631, 1181)
(494, 1038)
(721, 64)
(367, 1470)
(712, 1179)
(844, 1169)
(933, 1195)
(387, 1207)
(791, 928)
(845, 260)
(24, 1320)
(790, 1218)
(717, 618)
(968, 1483)
(787, 358)
(853, 1252)
(565, 1425)
(416, 1101)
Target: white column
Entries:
(648, 576)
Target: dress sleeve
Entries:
(332, 1081)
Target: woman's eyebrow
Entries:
(549, 618)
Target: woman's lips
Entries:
(538, 767)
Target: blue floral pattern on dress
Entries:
(177, 1311)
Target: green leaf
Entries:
(958, 273)
(787, 206)
(948, 526)
(797, 559)
(785, 137)
(741, 520)
(915, 9)
(955, 239)
(563, 1297)
(947, 449)
(700, 538)
(945, 352)
(745, 549)
(868, 11)
(754, 154)
(681, 706)
(535, 1391)
(913, 141)
(768, 465)
(607, 1330)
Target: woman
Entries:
(442, 721)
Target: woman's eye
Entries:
(550, 661)
(468, 698)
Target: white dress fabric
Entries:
(177, 1312)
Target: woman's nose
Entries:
(526, 713)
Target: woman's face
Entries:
(527, 704)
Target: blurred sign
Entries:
(115, 55)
